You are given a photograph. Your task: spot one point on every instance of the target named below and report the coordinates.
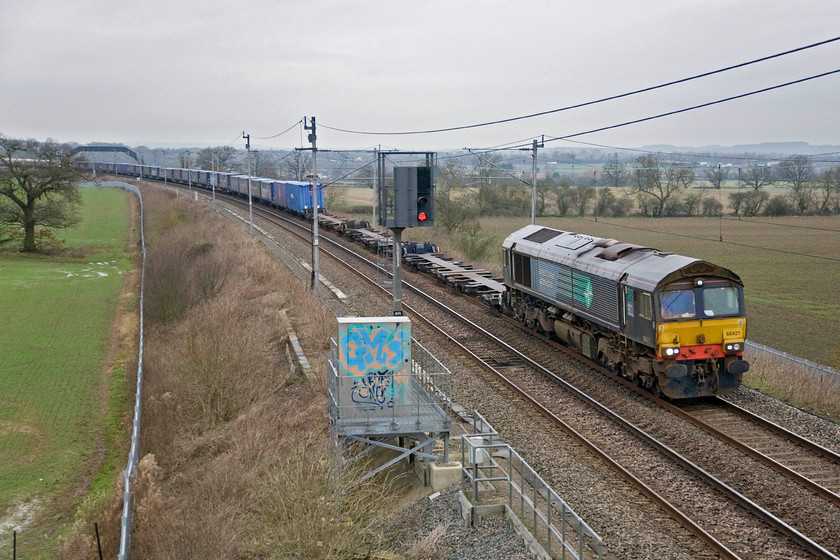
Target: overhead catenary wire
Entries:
(694, 107)
(674, 112)
(279, 133)
(589, 103)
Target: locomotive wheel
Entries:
(655, 390)
(601, 360)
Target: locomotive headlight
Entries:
(670, 352)
(733, 347)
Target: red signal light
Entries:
(422, 216)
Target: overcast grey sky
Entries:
(201, 72)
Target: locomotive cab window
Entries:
(644, 305)
(678, 304)
(720, 301)
(638, 304)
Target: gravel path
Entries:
(433, 528)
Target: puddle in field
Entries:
(20, 516)
(92, 271)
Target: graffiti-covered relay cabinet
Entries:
(378, 386)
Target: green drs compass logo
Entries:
(582, 289)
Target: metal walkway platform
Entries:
(420, 414)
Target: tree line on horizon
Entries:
(650, 186)
(38, 188)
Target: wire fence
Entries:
(813, 366)
(130, 473)
(40, 544)
(133, 457)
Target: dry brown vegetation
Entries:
(237, 461)
(800, 385)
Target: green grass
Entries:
(57, 314)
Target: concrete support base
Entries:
(442, 475)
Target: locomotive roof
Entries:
(645, 268)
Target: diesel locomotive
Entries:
(673, 324)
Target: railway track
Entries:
(801, 460)
(705, 505)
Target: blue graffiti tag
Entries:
(376, 390)
(372, 348)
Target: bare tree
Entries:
(691, 204)
(657, 181)
(829, 185)
(217, 158)
(567, 197)
(585, 194)
(615, 174)
(756, 177)
(797, 170)
(453, 210)
(38, 186)
(712, 207)
(716, 175)
(754, 201)
(295, 164)
(543, 190)
(604, 202)
(450, 175)
(487, 166)
(263, 165)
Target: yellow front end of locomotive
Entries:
(697, 358)
(696, 339)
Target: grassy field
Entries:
(54, 395)
(790, 266)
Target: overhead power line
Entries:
(669, 113)
(686, 109)
(278, 134)
(588, 103)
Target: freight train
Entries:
(670, 323)
(673, 324)
(293, 196)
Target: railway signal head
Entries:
(425, 215)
